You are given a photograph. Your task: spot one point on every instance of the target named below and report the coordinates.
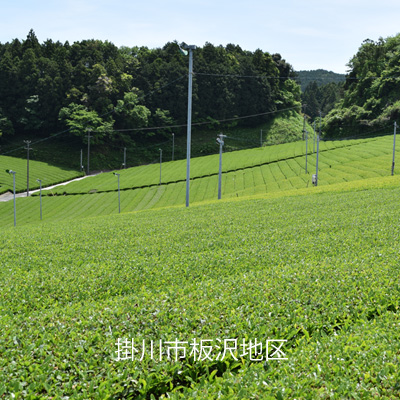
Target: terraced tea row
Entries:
(208, 166)
(335, 167)
(49, 174)
(320, 272)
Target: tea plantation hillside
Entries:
(49, 174)
(293, 297)
(265, 172)
(291, 153)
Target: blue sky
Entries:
(309, 34)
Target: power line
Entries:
(240, 139)
(206, 122)
(245, 76)
(37, 141)
(296, 78)
(360, 136)
(114, 109)
(100, 116)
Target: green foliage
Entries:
(371, 88)
(31, 119)
(290, 94)
(321, 98)
(286, 127)
(6, 126)
(80, 121)
(345, 122)
(320, 76)
(130, 113)
(145, 87)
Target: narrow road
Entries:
(9, 195)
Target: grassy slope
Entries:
(65, 150)
(355, 160)
(320, 271)
(208, 165)
(286, 127)
(49, 174)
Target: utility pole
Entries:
(124, 164)
(15, 205)
(173, 146)
(318, 136)
(160, 163)
(40, 186)
(304, 120)
(394, 145)
(220, 141)
(316, 169)
(27, 148)
(189, 48)
(88, 151)
(320, 117)
(261, 138)
(314, 139)
(306, 148)
(119, 195)
(81, 164)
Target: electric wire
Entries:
(245, 76)
(100, 116)
(296, 78)
(207, 122)
(114, 109)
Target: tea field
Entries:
(49, 174)
(94, 308)
(267, 171)
(289, 156)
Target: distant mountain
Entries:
(320, 76)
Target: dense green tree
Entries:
(31, 118)
(80, 120)
(51, 86)
(321, 98)
(310, 100)
(6, 126)
(10, 86)
(371, 91)
(320, 76)
(131, 114)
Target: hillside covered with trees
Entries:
(320, 76)
(121, 93)
(324, 98)
(371, 99)
(321, 91)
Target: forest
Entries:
(371, 97)
(321, 98)
(128, 95)
(319, 76)
(125, 95)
